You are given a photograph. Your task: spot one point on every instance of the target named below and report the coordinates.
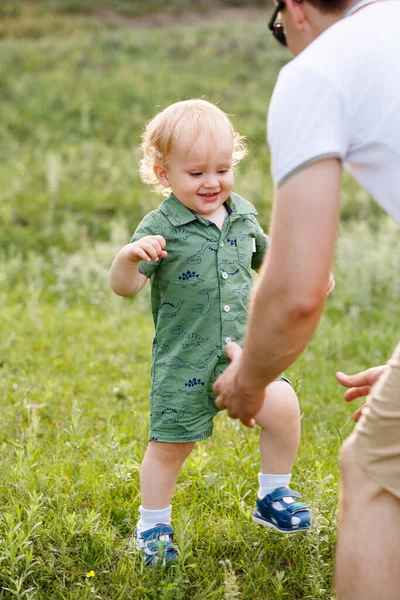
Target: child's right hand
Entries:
(149, 247)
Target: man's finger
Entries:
(352, 380)
(358, 413)
(368, 377)
(356, 392)
(233, 350)
(217, 385)
(219, 402)
(248, 422)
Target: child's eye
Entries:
(222, 171)
(196, 173)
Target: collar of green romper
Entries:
(178, 214)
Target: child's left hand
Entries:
(331, 284)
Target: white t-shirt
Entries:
(341, 98)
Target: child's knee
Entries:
(168, 452)
(281, 410)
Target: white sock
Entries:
(270, 481)
(151, 518)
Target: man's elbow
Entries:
(308, 305)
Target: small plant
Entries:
(231, 588)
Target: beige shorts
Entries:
(377, 433)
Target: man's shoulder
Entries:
(331, 55)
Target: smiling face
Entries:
(200, 174)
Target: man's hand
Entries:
(331, 284)
(149, 247)
(239, 403)
(360, 385)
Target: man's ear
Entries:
(298, 11)
(161, 173)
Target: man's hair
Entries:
(330, 6)
(186, 120)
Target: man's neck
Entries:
(327, 20)
(318, 23)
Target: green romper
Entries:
(199, 297)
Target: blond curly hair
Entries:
(187, 119)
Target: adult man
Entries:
(336, 104)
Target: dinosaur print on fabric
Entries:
(188, 279)
(204, 365)
(177, 233)
(211, 295)
(242, 292)
(168, 309)
(193, 383)
(171, 415)
(172, 209)
(199, 295)
(234, 314)
(185, 435)
(190, 338)
(221, 368)
(245, 247)
(172, 257)
(244, 237)
(173, 361)
(208, 245)
(249, 219)
(193, 339)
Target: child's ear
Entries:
(161, 173)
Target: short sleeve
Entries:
(261, 248)
(148, 226)
(306, 121)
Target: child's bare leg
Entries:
(158, 473)
(160, 467)
(279, 419)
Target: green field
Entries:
(75, 93)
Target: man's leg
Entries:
(368, 544)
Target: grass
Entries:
(74, 359)
(131, 8)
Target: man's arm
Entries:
(291, 293)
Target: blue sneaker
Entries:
(155, 545)
(280, 510)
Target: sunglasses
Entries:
(277, 29)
